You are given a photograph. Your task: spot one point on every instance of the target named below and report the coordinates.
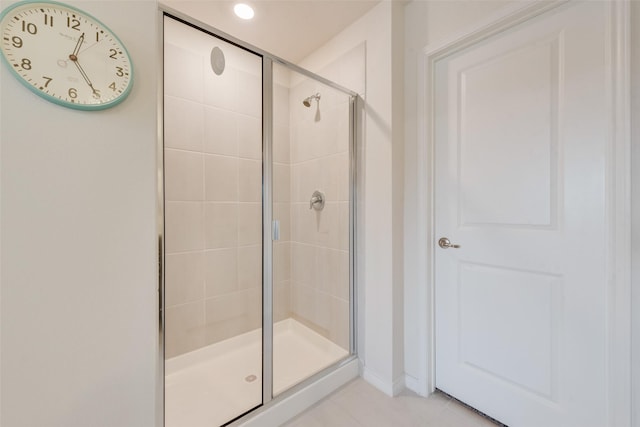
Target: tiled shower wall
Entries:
(320, 239)
(319, 160)
(281, 195)
(213, 185)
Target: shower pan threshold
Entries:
(193, 396)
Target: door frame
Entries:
(618, 197)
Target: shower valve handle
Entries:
(317, 200)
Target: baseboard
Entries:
(412, 383)
(389, 388)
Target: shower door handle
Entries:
(275, 230)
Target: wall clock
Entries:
(65, 55)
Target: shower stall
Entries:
(259, 226)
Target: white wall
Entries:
(425, 23)
(79, 312)
(379, 225)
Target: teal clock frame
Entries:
(53, 99)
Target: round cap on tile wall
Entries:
(217, 60)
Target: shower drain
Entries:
(250, 378)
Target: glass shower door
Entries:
(311, 212)
(213, 220)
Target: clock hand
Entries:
(74, 54)
(86, 78)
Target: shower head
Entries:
(307, 100)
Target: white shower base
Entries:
(207, 387)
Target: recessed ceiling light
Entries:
(243, 11)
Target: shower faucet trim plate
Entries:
(317, 200)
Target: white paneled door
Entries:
(521, 134)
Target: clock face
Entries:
(65, 55)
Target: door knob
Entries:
(445, 243)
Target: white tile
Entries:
(282, 262)
(184, 175)
(221, 178)
(306, 178)
(325, 132)
(343, 177)
(281, 146)
(281, 183)
(303, 303)
(182, 73)
(221, 225)
(249, 137)
(249, 180)
(323, 315)
(303, 264)
(343, 138)
(304, 223)
(221, 91)
(183, 124)
(328, 226)
(249, 267)
(221, 271)
(344, 220)
(184, 328)
(249, 224)
(220, 131)
(281, 105)
(225, 307)
(339, 326)
(341, 289)
(327, 270)
(281, 301)
(184, 225)
(328, 169)
(249, 93)
(184, 278)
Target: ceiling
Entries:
(290, 29)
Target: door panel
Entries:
(511, 137)
(521, 135)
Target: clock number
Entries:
(29, 27)
(26, 64)
(113, 53)
(17, 42)
(97, 36)
(73, 93)
(73, 23)
(48, 20)
(112, 86)
(119, 71)
(96, 94)
(48, 79)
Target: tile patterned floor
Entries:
(360, 404)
